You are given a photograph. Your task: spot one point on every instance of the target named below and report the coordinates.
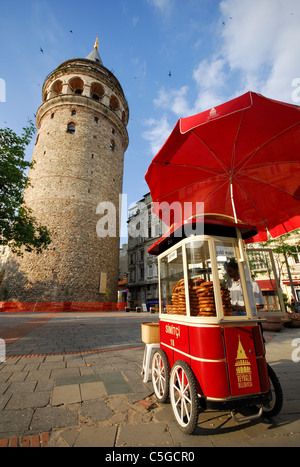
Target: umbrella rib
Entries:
(213, 171)
(253, 204)
(212, 152)
(249, 156)
(191, 184)
(235, 141)
(269, 164)
(263, 182)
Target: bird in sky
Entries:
(41, 50)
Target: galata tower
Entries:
(79, 154)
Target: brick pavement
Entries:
(75, 380)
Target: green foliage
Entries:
(18, 227)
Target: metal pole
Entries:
(232, 202)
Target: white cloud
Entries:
(135, 20)
(256, 50)
(174, 100)
(159, 130)
(261, 42)
(208, 75)
(162, 5)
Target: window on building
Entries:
(73, 112)
(71, 128)
(112, 146)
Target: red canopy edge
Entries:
(247, 231)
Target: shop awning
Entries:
(267, 285)
(295, 282)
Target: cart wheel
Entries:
(160, 375)
(184, 398)
(274, 406)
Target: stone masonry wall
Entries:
(72, 174)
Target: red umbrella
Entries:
(240, 158)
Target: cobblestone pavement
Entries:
(74, 379)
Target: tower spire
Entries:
(94, 55)
(96, 46)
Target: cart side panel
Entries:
(241, 360)
(207, 342)
(174, 341)
(212, 378)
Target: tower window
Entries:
(57, 87)
(96, 119)
(73, 112)
(52, 115)
(71, 128)
(113, 103)
(112, 146)
(76, 84)
(97, 91)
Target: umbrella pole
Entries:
(232, 202)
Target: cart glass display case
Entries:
(205, 277)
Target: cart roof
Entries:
(219, 227)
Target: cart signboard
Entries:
(241, 361)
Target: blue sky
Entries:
(215, 51)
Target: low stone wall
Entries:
(47, 307)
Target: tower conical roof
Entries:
(94, 55)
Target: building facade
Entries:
(79, 156)
(142, 276)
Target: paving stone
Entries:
(66, 395)
(143, 435)
(91, 436)
(90, 391)
(115, 383)
(45, 419)
(15, 422)
(77, 380)
(96, 410)
(23, 400)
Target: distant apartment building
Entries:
(143, 230)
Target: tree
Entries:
(283, 250)
(18, 227)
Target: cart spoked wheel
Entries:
(274, 406)
(184, 398)
(160, 375)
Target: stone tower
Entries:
(78, 154)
